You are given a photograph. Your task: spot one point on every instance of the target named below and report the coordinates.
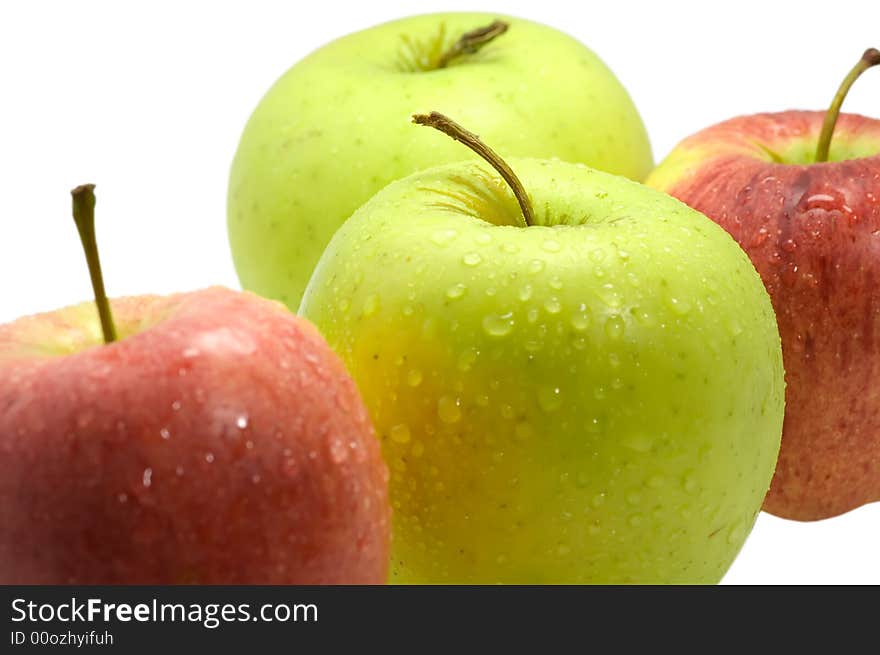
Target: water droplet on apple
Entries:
(533, 345)
(371, 304)
(656, 481)
(147, 477)
(689, 482)
(552, 305)
(555, 282)
(442, 237)
(549, 398)
(551, 245)
(614, 326)
(609, 295)
(536, 266)
(241, 422)
(209, 457)
(165, 433)
(643, 317)
(789, 275)
(449, 409)
(483, 238)
(532, 314)
(343, 305)
(190, 352)
(525, 292)
(255, 478)
(735, 532)
(640, 443)
(580, 319)
(789, 245)
(680, 306)
(498, 325)
(122, 497)
(179, 471)
(466, 359)
(414, 377)
(472, 259)
(400, 433)
(598, 500)
(760, 237)
(338, 451)
(456, 291)
(822, 201)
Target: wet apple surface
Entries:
(222, 444)
(589, 391)
(208, 437)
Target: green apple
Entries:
(332, 131)
(594, 397)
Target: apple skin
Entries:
(584, 403)
(342, 114)
(813, 233)
(219, 441)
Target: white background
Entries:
(148, 101)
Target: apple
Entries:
(579, 381)
(809, 220)
(217, 441)
(332, 131)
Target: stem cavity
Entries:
(471, 42)
(449, 127)
(871, 57)
(84, 217)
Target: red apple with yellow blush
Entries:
(214, 439)
(806, 208)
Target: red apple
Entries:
(812, 230)
(218, 441)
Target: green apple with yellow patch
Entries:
(332, 131)
(575, 378)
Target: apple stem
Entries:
(471, 42)
(871, 57)
(449, 127)
(84, 217)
